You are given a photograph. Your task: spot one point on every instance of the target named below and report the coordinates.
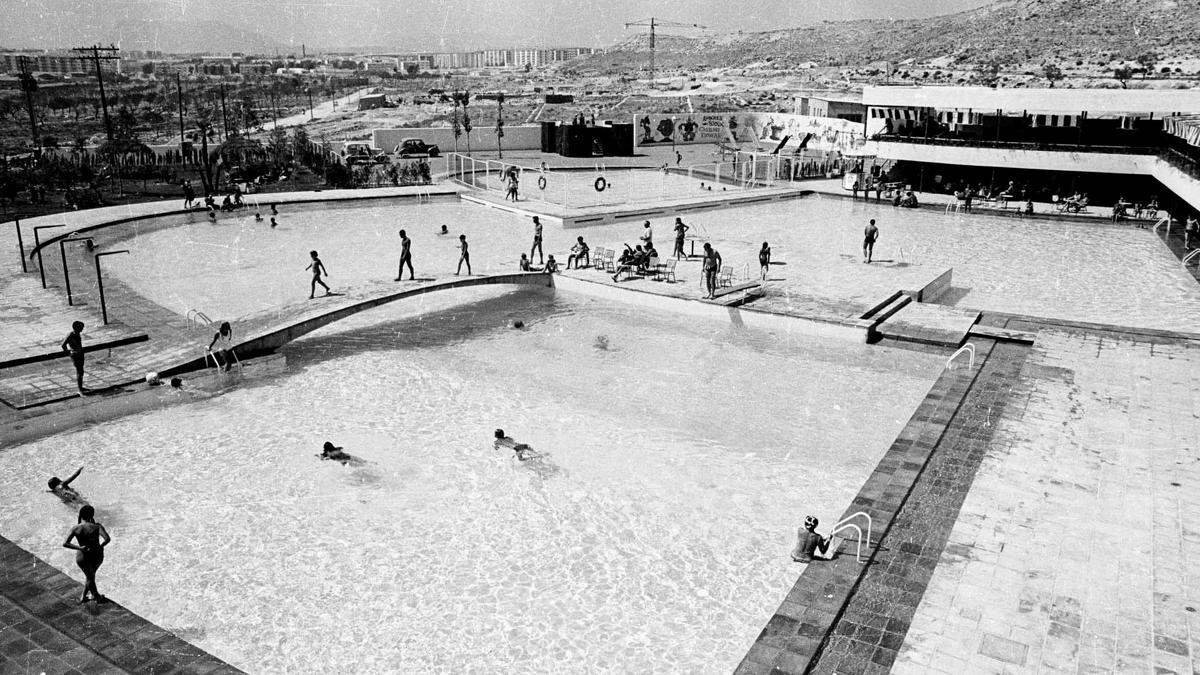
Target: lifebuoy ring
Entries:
(600, 184)
(541, 182)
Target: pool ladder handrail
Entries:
(845, 524)
(1190, 256)
(208, 354)
(1165, 220)
(969, 350)
(197, 318)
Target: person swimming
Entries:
(63, 490)
(520, 450)
(330, 451)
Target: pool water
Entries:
(1093, 272)
(577, 189)
(655, 538)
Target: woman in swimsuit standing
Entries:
(92, 538)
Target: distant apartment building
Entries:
(56, 64)
(378, 65)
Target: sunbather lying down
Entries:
(520, 450)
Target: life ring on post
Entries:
(541, 182)
(600, 184)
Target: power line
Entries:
(96, 57)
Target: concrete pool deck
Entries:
(1042, 505)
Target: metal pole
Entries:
(37, 245)
(100, 283)
(62, 245)
(21, 245)
(62, 251)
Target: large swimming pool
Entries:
(655, 539)
(1092, 272)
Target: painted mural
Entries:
(767, 129)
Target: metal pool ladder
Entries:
(845, 524)
(1191, 256)
(197, 318)
(969, 350)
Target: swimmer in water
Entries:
(522, 451)
(92, 538)
(444, 230)
(329, 451)
(273, 223)
(63, 489)
(258, 218)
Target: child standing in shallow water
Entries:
(318, 269)
(465, 257)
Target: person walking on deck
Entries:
(764, 259)
(680, 232)
(711, 265)
(465, 256)
(92, 538)
(318, 269)
(870, 236)
(537, 242)
(73, 345)
(405, 257)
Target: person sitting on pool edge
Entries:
(551, 265)
(63, 489)
(331, 452)
(520, 450)
(808, 542)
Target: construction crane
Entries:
(654, 23)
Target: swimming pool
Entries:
(1093, 272)
(683, 457)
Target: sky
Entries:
(432, 25)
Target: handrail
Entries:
(197, 318)
(1190, 256)
(968, 349)
(1165, 220)
(852, 516)
(845, 524)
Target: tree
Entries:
(277, 146)
(989, 70)
(1123, 74)
(499, 124)
(1052, 73)
(300, 142)
(1147, 61)
(454, 124)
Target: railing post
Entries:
(21, 246)
(100, 283)
(37, 245)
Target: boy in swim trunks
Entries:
(318, 268)
(73, 345)
(764, 260)
(870, 235)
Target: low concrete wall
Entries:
(934, 289)
(136, 398)
(850, 330)
(482, 138)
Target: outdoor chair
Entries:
(667, 270)
(725, 277)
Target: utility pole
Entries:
(224, 119)
(29, 85)
(97, 57)
(179, 93)
(654, 23)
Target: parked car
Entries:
(415, 147)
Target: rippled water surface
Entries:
(655, 538)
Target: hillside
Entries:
(1096, 32)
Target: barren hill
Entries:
(1013, 31)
